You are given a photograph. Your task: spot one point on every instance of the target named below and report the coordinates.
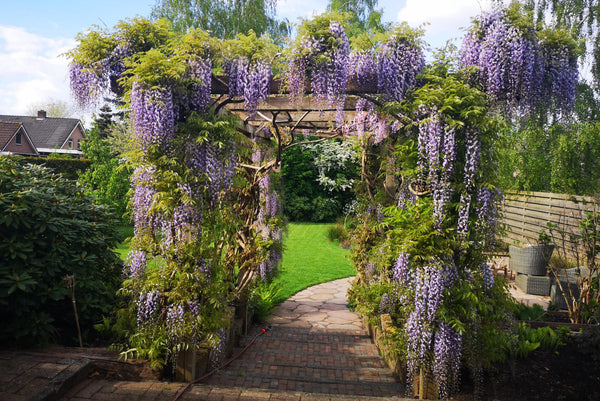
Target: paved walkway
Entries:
(316, 349)
(321, 307)
(315, 345)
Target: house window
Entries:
(19, 138)
(79, 144)
(70, 144)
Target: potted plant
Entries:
(532, 259)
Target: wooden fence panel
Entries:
(526, 214)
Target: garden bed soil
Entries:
(568, 375)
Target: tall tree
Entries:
(225, 19)
(53, 108)
(363, 14)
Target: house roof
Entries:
(48, 132)
(7, 130)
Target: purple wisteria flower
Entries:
(175, 321)
(135, 263)
(201, 71)
(143, 197)
(153, 118)
(447, 352)
(401, 269)
(147, 306)
(488, 276)
(398, 64)
(385, 304)
(515, 67)
(218, 353)
(87, 84)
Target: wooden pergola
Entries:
(316, 117)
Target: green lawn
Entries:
(308, 258)
(123, 249)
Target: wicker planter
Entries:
(531, 260)
(557, 297)
(535, 285)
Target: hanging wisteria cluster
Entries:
(427, 335)
(326, 59)
(368, 126)
(392, 71)
(516, 67)
(270, 208)
(200, 71)
(437, 153)
(398, 64)
(153, 118)
(249, 80)
(87, 84)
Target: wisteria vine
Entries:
(517, 66)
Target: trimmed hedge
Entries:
(70, 168)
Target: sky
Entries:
(35, 34)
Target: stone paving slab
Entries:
(320, 307)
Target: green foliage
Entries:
(366, 299)
(562, 158)
(340, 231)
(317, 181)
(51, 229)
(362, 15)
(526, 313)
(264, 297)
(526, 340)
(579, 18)
(224, 19)
(67, 167)
(107, 178)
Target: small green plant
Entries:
(336, 232)
(544, 238)
(526, 340)
(524, 312)
(264, 297)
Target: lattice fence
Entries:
(525, 214)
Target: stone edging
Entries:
(64, 381)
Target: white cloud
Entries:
(32, 69)
(445, 17)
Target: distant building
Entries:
(41, 135)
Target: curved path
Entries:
(321, 307)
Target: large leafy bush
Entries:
(51, 229)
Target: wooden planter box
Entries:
(192, 364)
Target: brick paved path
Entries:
(317, 350)
(315, 345)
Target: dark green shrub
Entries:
(51, 229)
(69, 167)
